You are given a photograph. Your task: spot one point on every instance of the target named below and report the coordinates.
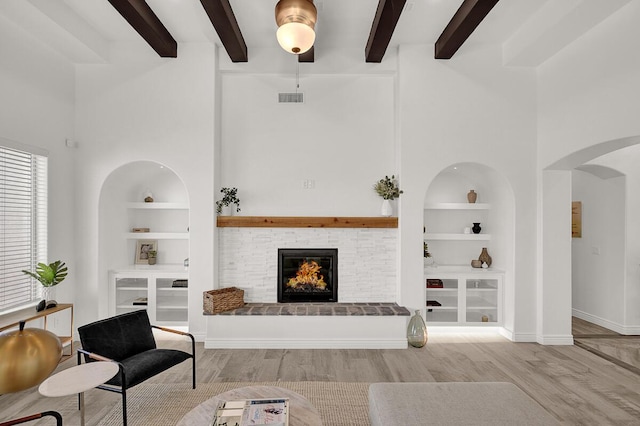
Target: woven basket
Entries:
(224, 299)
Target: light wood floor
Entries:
(574, 385)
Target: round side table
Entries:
(78, 379)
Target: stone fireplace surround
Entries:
(367, 267)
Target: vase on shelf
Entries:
(476, 228)
(387, 208)
(472, 196)
(484, 257)
(417, 331)
(226, 210)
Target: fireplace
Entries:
(307, 275)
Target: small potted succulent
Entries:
(388, 189)
(428, 259)
(230, 196)
(152, 256)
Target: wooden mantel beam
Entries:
(384, 23)
(140, 16)
(463, 23)
(224, 21)
(305, 222)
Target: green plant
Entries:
(152, 253)
(426, 250)
(230, 197)
(387, 188)
(49, 275)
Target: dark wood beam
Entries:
(387, 16)
(140, 16)
(308, 56)
(225, 23)
(463, 23)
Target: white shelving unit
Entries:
(166, 305)
(468, 295)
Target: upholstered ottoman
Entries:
(453, 404)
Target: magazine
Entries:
(247, 412)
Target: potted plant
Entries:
(428, 260)
(388, 189)
(230, 196)
(151, 256)
(49, 275)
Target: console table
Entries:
(13, 320)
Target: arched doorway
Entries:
(554, 285)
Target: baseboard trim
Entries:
(558, 339)
(602, 322)
(525, 338)
(304, 344)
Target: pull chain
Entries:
(297, 76)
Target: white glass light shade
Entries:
(295, 37)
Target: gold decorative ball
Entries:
(27, 358)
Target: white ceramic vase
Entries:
(227, 210)
(387, 208)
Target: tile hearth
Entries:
(320, 309)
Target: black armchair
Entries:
(128, 340)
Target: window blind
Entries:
(23, 225)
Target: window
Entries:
(23, 224)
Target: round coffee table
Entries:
(301, 412)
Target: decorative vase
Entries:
(48, 293)
(226, 210)
(387, 208)
(417, 331)
(152, 261)
(484, 257)
(472, 196)
(476, 228)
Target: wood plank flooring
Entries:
(574, 385)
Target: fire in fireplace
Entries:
(307, 275)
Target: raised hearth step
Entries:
(321, 309)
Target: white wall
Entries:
(468, 109)
(588, 95)
(341, 137)
(598, 259)
(37, 106)
(590, 92)
(152, 109)
(625, 161)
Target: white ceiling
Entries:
(83, 30)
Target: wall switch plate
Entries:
(308, 184)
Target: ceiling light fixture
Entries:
(296, 21)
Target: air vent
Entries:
(287, 98)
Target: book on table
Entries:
(245, 412)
